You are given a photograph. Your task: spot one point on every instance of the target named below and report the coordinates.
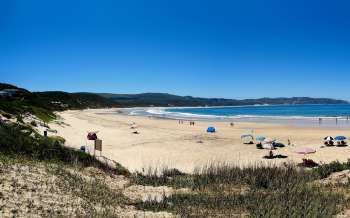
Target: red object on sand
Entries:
(91, 136)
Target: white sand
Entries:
(167, 143)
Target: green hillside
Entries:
(162, 99)
(43, 104)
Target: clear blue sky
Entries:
(232, 49)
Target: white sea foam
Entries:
(162, 112)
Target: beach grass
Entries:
(223, 190)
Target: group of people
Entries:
(320, 120)
(191, 122)
(134, 127)
(338, 143)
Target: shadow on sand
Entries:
(279, 156)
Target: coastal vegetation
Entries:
(223, 190)
(43, 166)
(43, 104)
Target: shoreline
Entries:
(296, 121)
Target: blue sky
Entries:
(232, 49)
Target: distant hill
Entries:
(42, 104)
(163, 99)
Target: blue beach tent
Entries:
(340, 138)
(211, 129)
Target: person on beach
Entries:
(320, 121)
(232, 124)
(336, 121)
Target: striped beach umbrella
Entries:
(329, 138)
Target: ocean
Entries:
(300, 115)
(310, 111)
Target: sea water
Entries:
(326, 115)
(306, 111)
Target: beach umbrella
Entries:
(305, 151)
(268, 146)
(134, 126)
(329, 138)
(269, 141)
(92, 135)
(247, 139)
(248, 136)
(340, 138)
(260, 138)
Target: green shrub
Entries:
(6, 115)
(33, 123)
(59, 139)
(326, 169)
(19, 118)
(15, 141)
(168, 177)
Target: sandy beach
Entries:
(163, 142)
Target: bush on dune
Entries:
(20, 140)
